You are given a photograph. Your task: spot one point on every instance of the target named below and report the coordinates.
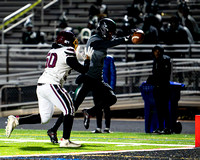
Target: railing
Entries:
(9, 17)
(25, 63)
(20, 12)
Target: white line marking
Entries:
(98, 152)
(117, 143)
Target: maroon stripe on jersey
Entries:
(59, 97)
(70, 54)
(71, 49)
(69, 100)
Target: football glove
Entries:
(128, 38)
(88, 52)
(80, 54)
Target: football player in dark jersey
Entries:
(92, 81)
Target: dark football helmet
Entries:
(106, 28)
(67, 38)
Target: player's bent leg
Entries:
(52, 133)
(86, 120)
(67, 127)
(53, 136)
(12, 122)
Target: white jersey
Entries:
(56, 68)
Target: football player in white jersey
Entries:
(60, 60)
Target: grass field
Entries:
(30, 142)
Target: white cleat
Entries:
(68, 144)
(12, 122)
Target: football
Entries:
(138, 36)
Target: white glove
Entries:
(80, 54)
(89, 52)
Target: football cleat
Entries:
(68, 144)
(86, 120)
(53, 136)
(166, 131)
(157, 131)
(107, 130)
(97, 130)
(12, 122)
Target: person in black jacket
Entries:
(160, 79)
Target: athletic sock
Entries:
(58, 123)
(67, 126)
(32, 119)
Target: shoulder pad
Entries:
(70, 51)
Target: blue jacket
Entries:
(109, 71)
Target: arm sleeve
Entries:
(74, 64)
(101, 44)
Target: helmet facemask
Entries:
(75, 43)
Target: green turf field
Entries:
(29, 142)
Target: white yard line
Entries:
(117, 143)
(96, 152)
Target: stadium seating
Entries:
(78, 14)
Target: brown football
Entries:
(138, 36)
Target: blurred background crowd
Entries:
(181, 27)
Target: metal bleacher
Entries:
(17, 93)
(77, 14)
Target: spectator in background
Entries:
(135, 13)
(84, 35)
(29, 36)
(126, 28)
(175, 33)
(109, 76)
(63, 24)
(151, 33)
(160, 79)
(150, 6)
(97, 11)
(152, 11)
(151, 37)
(188, 21)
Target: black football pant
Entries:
(107, 116)
(102, 93)
(103, 97)
(161, 96)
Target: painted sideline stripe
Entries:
(134, 144)
(99, 152)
